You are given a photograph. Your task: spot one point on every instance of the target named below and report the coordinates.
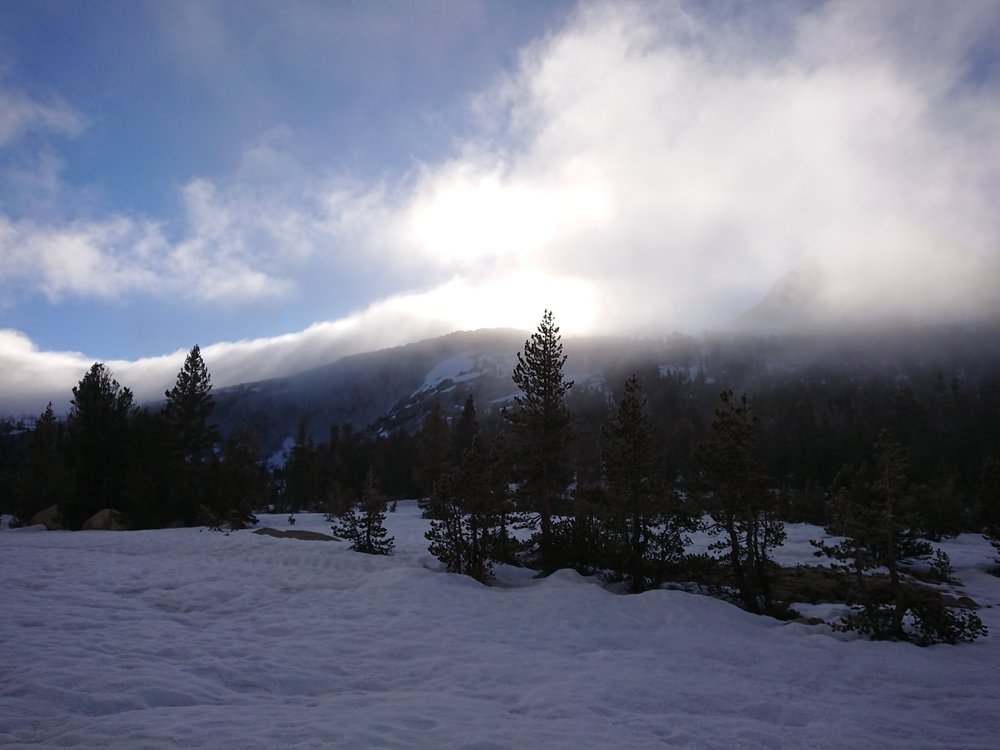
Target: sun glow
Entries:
(514, 300)
(466, 216)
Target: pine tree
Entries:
(303, 482)
(464, 432)
(471, 533)
(45, 480)
(188, 408)
(434, 453)
(364, 525)
(873, 509)
(151, 482)
(96, 435)
(241, 483)
(740, 503)
(988, 501)
(187, 411)
(541, 430)
(645, 530)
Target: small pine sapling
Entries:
(364, 525)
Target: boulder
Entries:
(105, 520)
(49, 518)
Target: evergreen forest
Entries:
(608, 478)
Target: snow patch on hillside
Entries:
(457, 369)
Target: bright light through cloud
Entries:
(465, 216)
(513, 300)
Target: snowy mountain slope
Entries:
(197, 639)
(355, 390)
(396, 388)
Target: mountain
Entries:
(816, 313)
(395, 388)
(837, 296)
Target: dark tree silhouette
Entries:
(96, 432)
(188, 409)
(644, 527)
(364, 525)
(540, 423)
(45, 480)
(471, 533)
(740, 502)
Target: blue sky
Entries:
(284, 183)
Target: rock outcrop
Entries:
(105, 520)
(49, 518)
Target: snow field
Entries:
(189, 638)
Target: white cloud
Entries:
(21, 114)
(94, 258)
(716, 171)
(646, 168)
(657, 154)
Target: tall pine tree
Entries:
(188, 409)
(740, 502)
(96, 432)
(642, 521)
(45, 480)
(540, 423)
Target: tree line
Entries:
(153, 467)
(601, 484)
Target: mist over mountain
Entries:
(394, 388)
(382, 391)
(833, 297)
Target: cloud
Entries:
(681, 167)
(21, 114)
(648, 167)
(655, 151)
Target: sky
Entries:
(286, 183)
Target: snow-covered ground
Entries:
(190, 638)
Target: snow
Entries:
(459, 368)
(280, 457)
(193, 638)
(691, 371)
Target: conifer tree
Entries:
(643, 523)
(241, 483)
(45, 480)
(151, 482)
(434, 453)
(471, 533)
(873, 510)
(189, 407)
(740, 503)
(988, 500)
(303, 481)
(465, 430)
(96, 435)
(540, 423)
(187, 411)
(364, 525)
